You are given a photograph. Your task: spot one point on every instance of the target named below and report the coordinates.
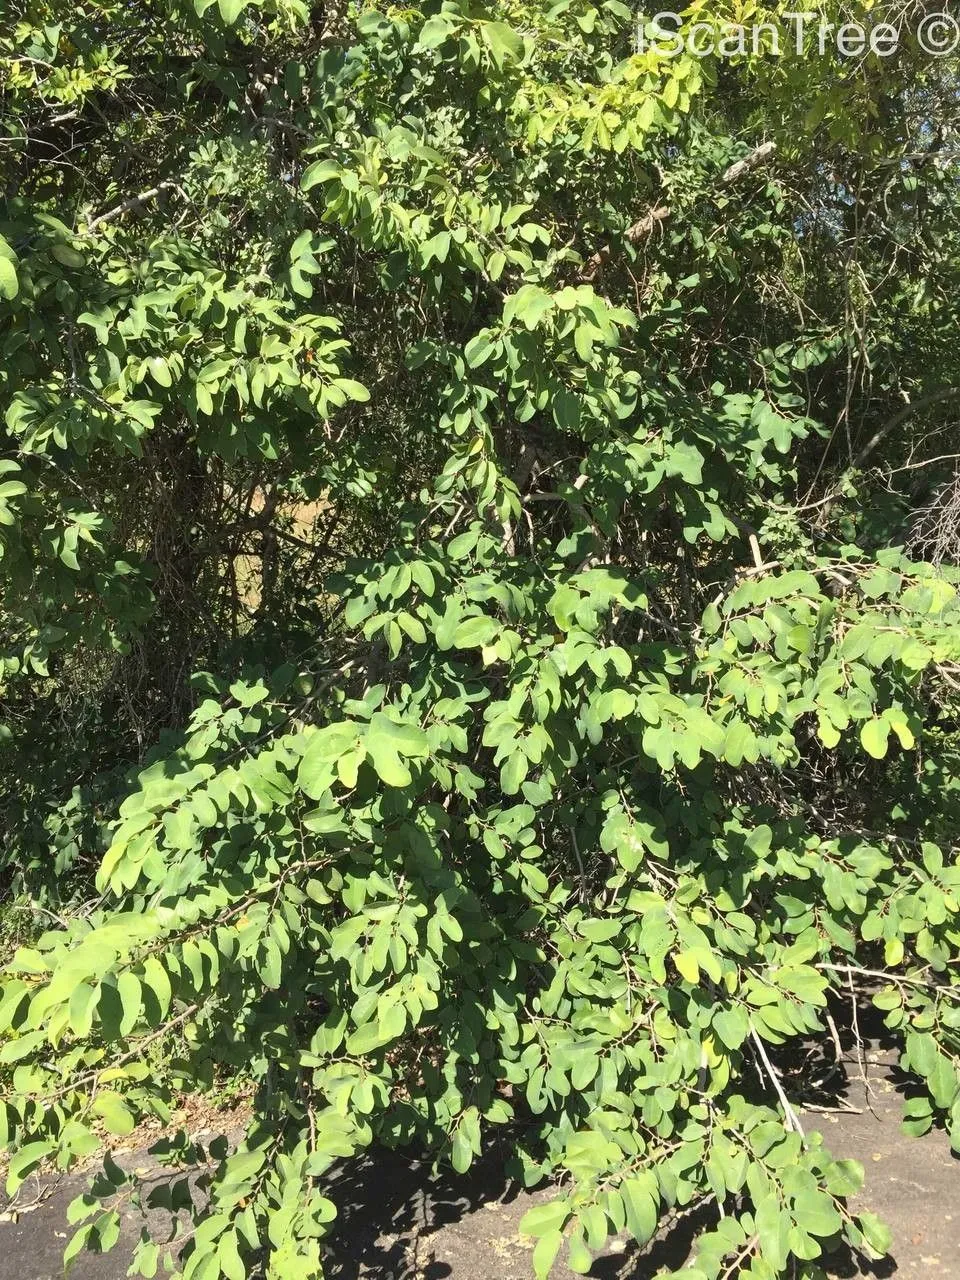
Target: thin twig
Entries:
(925, 402)
(793, 1121)
(741, 1257)
(576, 854)
(838, 1048)
(897, 978)
(846, 1109)
(858, 1040)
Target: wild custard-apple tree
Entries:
(479, 631)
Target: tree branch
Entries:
(134, 202)
(792, 1119)
(633, 235)
(740, 167)
(900, 417)
(642, 228)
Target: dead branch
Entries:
(638, 231)
(134, 202)
(756, 157)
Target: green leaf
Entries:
(404, 738)
(687, 966)
(461, 1153)
(874, 735)
(579, 1258)
(513, 773)
(128, 986)
(204, 399)
(503, 42)
(228, 1256)
(711, 620)
(156, 980)
(82, 1006)
(732, 1026)
(352, 389)
(816, 1213)
(160, 371)
(641, 1200)
(545, 1253)
(530, 304)
(437, 247)
(495, 265)
(116, 1115)
(479, 349)
(435, 31)
(473, 633)
(877, 1234)
(844, 1177)
(320, 171)
(324, 749)
(270, 966)
(388, 764)
(544, 1218)
(9, 283)
(915, 656)
(24, 1161)
(230, 10)
(66, 256)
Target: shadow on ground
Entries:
(399, 1221)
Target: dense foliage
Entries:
(479, 631)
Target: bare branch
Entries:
(793, 1121)
(638, 231)
(908, 410)
(134, 202)
(740, 167)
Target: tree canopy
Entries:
(479, 631)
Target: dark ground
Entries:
(398, 1223)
